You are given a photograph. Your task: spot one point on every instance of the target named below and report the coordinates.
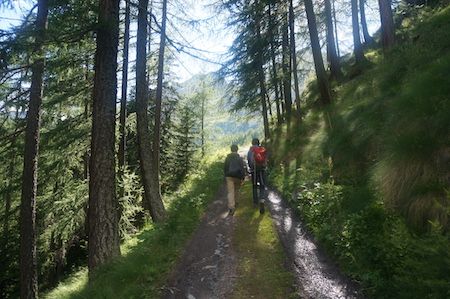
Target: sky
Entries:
(211, 37)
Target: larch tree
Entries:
(294, 57)
(362, 10)
(123, 99)
(387, 24)
(335, 21)
(104, 237)
(259, 61)
(273, 46)
(286, 63)
(322, 80)
(357, 46)
(156, 201)
(332, 56)
(28, 259)
(146, 155)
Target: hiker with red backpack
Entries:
(234, 170)
(257, 163)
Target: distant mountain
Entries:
(221, 126)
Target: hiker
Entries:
(257, 163)
(234, 171)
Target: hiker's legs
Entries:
(262, 185)
(237, 187)
(230, 190)
(255, 186)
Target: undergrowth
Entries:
(370, 174)
(148, 257)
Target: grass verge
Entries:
(261, 270)
(148, 257)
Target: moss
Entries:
(261, 270)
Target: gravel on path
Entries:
(316, 275)
(207, 267)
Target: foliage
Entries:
(369, 175)
(149, 255)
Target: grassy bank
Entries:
(370, 174)
(261, 270)
(148, 257)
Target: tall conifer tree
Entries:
(103, 205)
(28, 259)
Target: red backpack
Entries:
(260, 155)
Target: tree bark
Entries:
(294, 58)
(322, 81)
(28, 261)
(286, 67)
(103, 205)
(333, 59)
(362, 10)
(387, 24)
(146, 154)
(274, 65)
(335, 30)
(357, 47)
(262, 84)
(157, 203)
(203, 122)
(123, 99)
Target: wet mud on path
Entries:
(207, 267)
(317, 277)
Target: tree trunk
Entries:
(157, 203)
(357, 47)
(123, 99)
(286, 67)
(335, 30)
(144, 141)
(103, 206)
(274, 65)
(203, 125)
(322, 81)
(362, 10)
(294, 58)
(149, 43)
(387, 24)
(87, 101)
(28, 261)
(333, 59)
(269, 105)
(262, 84)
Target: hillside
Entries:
(370, 174)
(222, 126)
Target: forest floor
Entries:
(249, 255)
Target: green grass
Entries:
(148, 257)
(261, 270)
(373, 186)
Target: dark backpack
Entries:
(235, 168)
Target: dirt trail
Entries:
(317, 277)
(207, 268)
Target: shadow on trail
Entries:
(316, 275)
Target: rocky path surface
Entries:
(317, 277)
(207, 268)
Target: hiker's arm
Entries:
(225, 166)
(244, 169)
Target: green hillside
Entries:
(370, 174)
